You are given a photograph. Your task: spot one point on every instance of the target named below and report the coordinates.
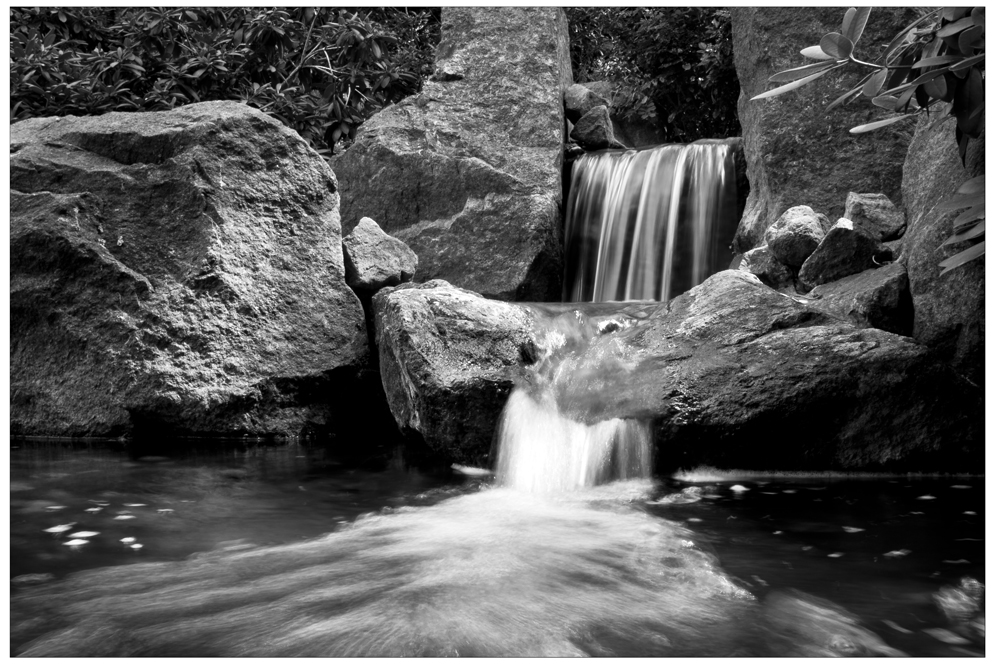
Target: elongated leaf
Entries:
(959, 201)
(847, 96)
(874, 84)
(978, 14)
(965, 256)
(794, 85)
(836, 45)
(971, 233)
(967, 216)
(968, 62)
(972, 186)
(815, 53)
(937, 60)
(955, 27)
(902, 36)
(799, 72)
(928, 76)
(970, 39)
(862, 129)
(885, 101)
(855, 29)
(848, 19)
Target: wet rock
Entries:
(468, 173)
(793, 153)
(374, 259)
(578, 100)
(875, 214)
(731, 359)
(845, 250)
(762, 263)
(180, 269)
(796, 234)
(594, 130)
(949, 309)
(873, 298)
(631, 131)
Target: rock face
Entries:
(844, 251)
(468, 172)
(578, 100)
(374, 259)
(796, 234)
(448, 359)
(177, 270)
(594, 130)
(634, 132)
(874, 298)
(795, 152)
(732, 363)
(949, 309)
(875, 214)
(719, 368)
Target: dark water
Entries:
(290, 550)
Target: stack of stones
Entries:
(846, 268)
(589, 123)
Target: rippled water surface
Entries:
(289, 550)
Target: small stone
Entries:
(76, 542)
(579, 99)
(123, 517)
(738, 488)
(851, 529)
(796, 234)
(374, 259)
(844, 251)
(876, 214)
(128, 540)
(594, 130)
(85, 534)
(762, 263)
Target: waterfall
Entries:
(641, 225)
(649, 224)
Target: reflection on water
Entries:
(625, 569)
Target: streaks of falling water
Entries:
(649, 224)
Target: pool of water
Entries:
(292, 550)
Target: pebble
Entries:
(85, 533)
(959, 561)
(897, 554)
(738, 488)
(789, 491)
(93, 510)
(778, 532)
(694, 519)
(851, 529)
(122, 517)
(76, 542)
(961, 486)
(128, 540)
(134, 504)
(55, 508)
(970, 513)
(835, 555)
(926, 497)
(60, 529)
(164, 510)
(136, 547)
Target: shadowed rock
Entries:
(468, 173)
(876, 214)
(181, 268)
(845, 250)
(594, 130)
(873, 298)
(762, 263)
(579, 99)
(374, 259)
(796, 235)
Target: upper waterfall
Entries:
(649, 224)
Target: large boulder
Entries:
(873, 298)
(179, 270)
(468, 172)
(738, 375)
(732, 372)
(795, 152)
(949, 309)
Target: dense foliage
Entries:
(935, 65)
(674, 65)
(321, 71)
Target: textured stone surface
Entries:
(448, 359)
(762, 263)
(844, 251)
(873, 298)
(578, 100)
(876, 214)
(374, 259)
(594, 130)
(467, 173)
(729, 363)
(796, 152)
(949, 309)
(179, 270)
(633, 132)
(717, 369)
(796, 234)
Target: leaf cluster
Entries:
(319, 70)
(934, 65)
(674, 65)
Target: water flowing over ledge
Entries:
(649, 224)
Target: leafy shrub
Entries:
(320, 71)
(936, 64)
(674, 65)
